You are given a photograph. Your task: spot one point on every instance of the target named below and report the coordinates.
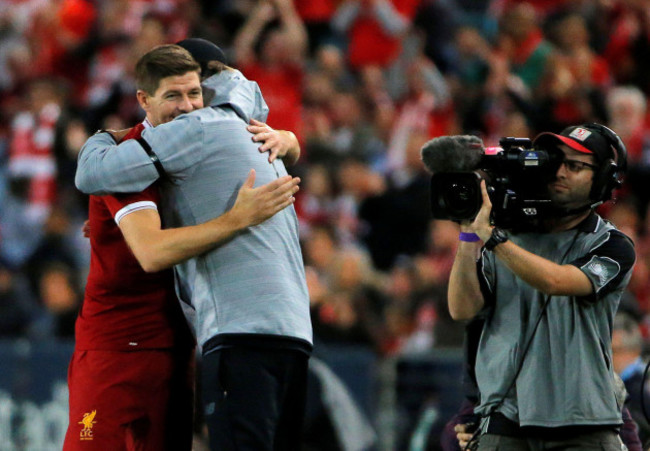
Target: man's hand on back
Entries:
(256, 205)
(278, 143)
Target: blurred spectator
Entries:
(71, 134)
(15, 56)
(422, 111)
(347, 306)
(628, 48)
(438, 22)
(626, 359)
(439, 255)
(626, 218)
(522, 42)
(468, 76)
(396, 215)
(17, 308)
(336, 321)
(56, 246)
(278, 68)
(354, 275)
(573, 38)
(319, 203)
(380, 104)
(329, 60)
(374, 29)
(433, 268)
(32, 165)
(60, 298)
(352, 134)
(320, 247)
(60, 28)
(31, 170)
(399, 315)
(316, 14)
(628, 113)
(627, 107)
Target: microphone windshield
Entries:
(458, 153)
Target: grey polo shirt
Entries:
(254, 283)
(567, 376)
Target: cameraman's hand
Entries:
(481, 224)
(464, 433)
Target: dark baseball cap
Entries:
(582, 138)
(203, 51)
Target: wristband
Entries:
(468, 237)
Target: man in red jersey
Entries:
(131, 375)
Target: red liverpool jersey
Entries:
(125, 308)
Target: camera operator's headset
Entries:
(609, 175)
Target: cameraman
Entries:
(549, 297)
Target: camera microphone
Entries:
(453, 153)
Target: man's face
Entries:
(176, 95)
(573, 180)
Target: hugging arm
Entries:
(156, 248)
(169, 149)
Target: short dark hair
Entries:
(212, 68)
(161, 62)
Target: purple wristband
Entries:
(468, 237)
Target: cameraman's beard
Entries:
(568, 202)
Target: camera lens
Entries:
(459, 193)
(455, 196)
(460, 198)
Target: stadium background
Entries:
(363, 91)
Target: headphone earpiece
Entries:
(609, 175)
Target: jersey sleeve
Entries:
(607, 262)
(121, 205)
(168, 150)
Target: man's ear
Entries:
(143, 99)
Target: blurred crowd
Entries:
(363, 84)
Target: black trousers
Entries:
(254, 399)
(595, 441)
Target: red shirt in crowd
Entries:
(281, 86)
(369, 44)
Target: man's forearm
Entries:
(294, 28)
(101, 170)
(293, 153)
(464, 298)
(157, 249)
(390, 19)
(345, 15)
(542, 274)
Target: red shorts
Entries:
(140, 400)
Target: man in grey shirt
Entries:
(548, 296)
(249, 295)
